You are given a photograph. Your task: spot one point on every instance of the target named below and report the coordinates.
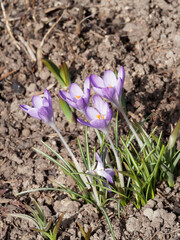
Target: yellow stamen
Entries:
(110, 86)
(78, 97)
(100, 116)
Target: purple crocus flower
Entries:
(109, 87)
(99, 117)
(76, 98)
(42, 108)
(107, 173)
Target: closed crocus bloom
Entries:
(99, 117)
(106, 173)
(76, 98)
(110, 87)
(42, 108)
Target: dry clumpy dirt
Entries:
(91, 37)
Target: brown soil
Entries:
(91, 37)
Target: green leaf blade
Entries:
(66, 110)
(54, 70)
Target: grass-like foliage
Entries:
(145, 168)
(38, 218)
(87, 234)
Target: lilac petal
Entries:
(37, 101)
(87, 84)
(99, 124)
(91, 172)
(109, 116)
(71, 103)
(64, 95)
(105, 109)
(81, 121)
(86, 96)
(25, 108)
(45, 114)
(46, 103)
(80, 103)
(109, 79)
(108, 93)
(99, 91)
(97, 81)
(75, 91)
(104, 174)
(119, 87)
(91, 113)
(100, 165)
(98, 103)
(33, 112)
(47, 95)
(121, 73)
(115, 99)
(110, 172)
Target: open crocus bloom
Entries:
(107, 173)
(109, 87)
(76, 98)
(42, 108)
(99, 117)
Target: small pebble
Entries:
(160, 205)
(31, 88)
(44, 74)
(132, 224)
(148, 212)
(168, 190)
(18, 88)
(151, 203)
(26, 132)
(4, 114)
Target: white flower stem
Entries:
(78, 167)
(131, 127)
(98, 135)
(107, 160)
(118, 162)
(96, 198)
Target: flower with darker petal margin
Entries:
(107, 173)
(76, 98)
(42, 108)
(99, 117)
(109, 87)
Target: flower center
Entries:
(110, 86)
(100, 116)
(78, 97)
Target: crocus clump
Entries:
(99, 117)
(42, 108)
(76, 98)
(106, 173)
(110, 87)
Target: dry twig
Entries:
(168, 233)
(27, 49)
(8, 74)
(39, 51)
(8, 27)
